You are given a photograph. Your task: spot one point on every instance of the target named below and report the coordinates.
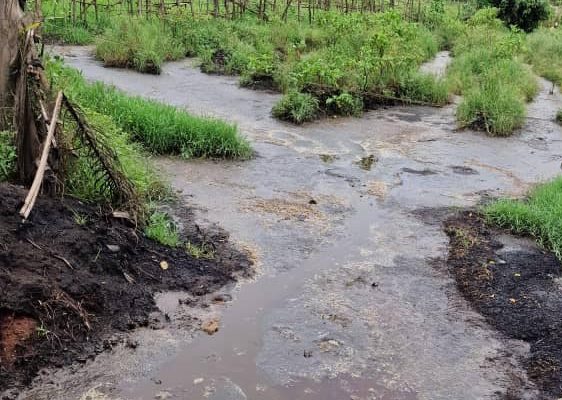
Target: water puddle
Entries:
(348, 303)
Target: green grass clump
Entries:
(65, 33)
(296, 107)
(139, 44)
(424, 88)
(135, 163)
(162, 229)
(7, 155)
(161, 128)
(544, 53)
(345, 104)
(539, 216)
(494, 83)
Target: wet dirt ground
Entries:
(351, 300)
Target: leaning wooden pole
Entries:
(36, 185)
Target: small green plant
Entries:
(202, 251)
(345, 104)
(80, 219)
(296, 107)
(559, 117)
(162, 229)
(7, 155)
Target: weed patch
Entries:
(7, 156)
(495, 85)
(162, 229)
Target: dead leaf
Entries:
(513, 301)
(164, 265)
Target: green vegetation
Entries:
(345, 61)
(81, 183)
(296, 107)
(544, 53)
(162, 229)
(7, 155)
(494, 83)
(202, 251)
(162, 129)
(140, 44)
(524, 14)
(539, 216)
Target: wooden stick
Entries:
(38, 180)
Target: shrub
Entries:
(525, 14)
(424, 87)
(487, 72)
(345, 104)
(137, 43)
(544, 53)
(296, 107)
(7, 155)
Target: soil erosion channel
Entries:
(351, 301)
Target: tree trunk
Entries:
(10, 21)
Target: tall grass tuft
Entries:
(139, 44)
(161, 128)
(494, 83)
(544, 53)
(539, 216)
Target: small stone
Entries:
(307, 354)
(113, 248)
(163, 396)
(210, 327)
(197, 381)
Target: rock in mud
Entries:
(210, 327)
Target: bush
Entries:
(540, 216)
(425, 88)
(487, 72)
(494, 108)
(525, 14)
(345, 104)
(296, 107)
(544, 53)
(7, 156)
(162, 129)
(138, 43)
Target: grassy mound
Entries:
(495, 85)
(162, 129)
(539, 216)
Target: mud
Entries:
(67, 288)
(516, 286)
(352, 299)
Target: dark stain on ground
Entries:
(462, 170)
(64, 292)
(423, 172)
(517, 291)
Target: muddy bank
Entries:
(70, 279)
(516, 286)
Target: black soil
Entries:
(66, 288)
(516, 290)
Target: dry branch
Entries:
(36, 186)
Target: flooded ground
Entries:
(344, 216)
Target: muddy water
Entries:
(351, 300)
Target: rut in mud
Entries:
(349, 303)
(68, 286)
